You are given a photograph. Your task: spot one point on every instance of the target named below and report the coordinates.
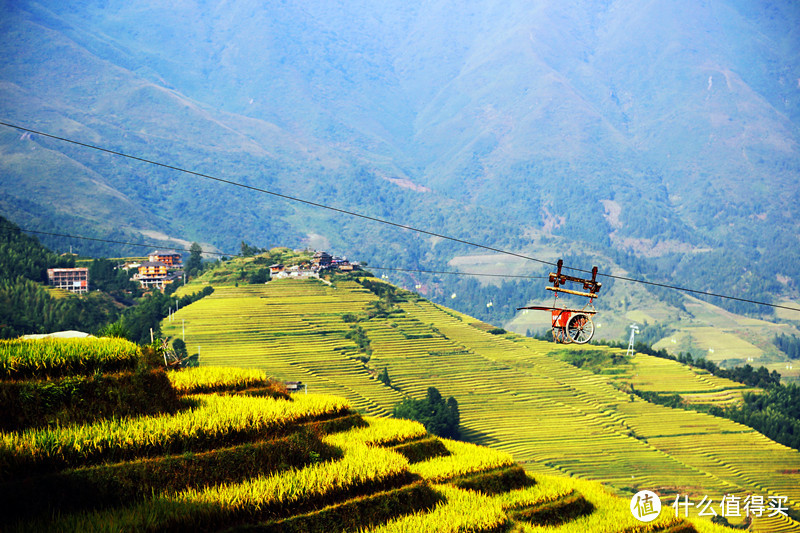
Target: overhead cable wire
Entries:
(273, 193)
(121, 242)
(150, 245)
(368, 267)
(387, 222)
(153, 245)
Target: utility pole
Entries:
(634, 331)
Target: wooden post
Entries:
(151, 335)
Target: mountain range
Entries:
(659, 139)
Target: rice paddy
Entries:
(549, 416)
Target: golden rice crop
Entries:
(381, 432)
(611, 513)
(22, 358)
(463, 510)
(208, 378)
(216, 420)
(545, 490)
(360, 463)
(259, 498)
(464, 458)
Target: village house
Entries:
(320, 262)
(71, 279)
(297, 272)
(321, 259)
(154, 274)
(172, 260)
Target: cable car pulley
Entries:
(571, 325)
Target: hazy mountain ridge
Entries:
(518, 117)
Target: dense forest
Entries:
(137, 322)
(21, 256)
(788, 344)
(114, 305)
(26, 306)
(775, 413)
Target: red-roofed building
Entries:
(172, 260)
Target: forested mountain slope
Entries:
(664, 136)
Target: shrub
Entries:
(79, 399)
(439, 417)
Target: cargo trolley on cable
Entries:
(571, 325)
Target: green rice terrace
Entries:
(94, 439)
(515, 394)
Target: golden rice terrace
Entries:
(513, 394)
(243, 455)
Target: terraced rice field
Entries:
(291, 329)
(551, 416)
(308, 465)
(695, 385)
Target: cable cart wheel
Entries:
(560, 335)
(571, 325)
(580, 328)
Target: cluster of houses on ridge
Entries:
(162, 268)
(321, 262)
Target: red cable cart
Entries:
(571, 325)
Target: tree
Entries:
(115, 329)
(383, 377)
(249, 251)
(439, 417)
(195, 263)
(260, 276)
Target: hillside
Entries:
(662, 138)
(27, 305)
(212, 449)
(514, 393)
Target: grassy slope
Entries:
(573, 422)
